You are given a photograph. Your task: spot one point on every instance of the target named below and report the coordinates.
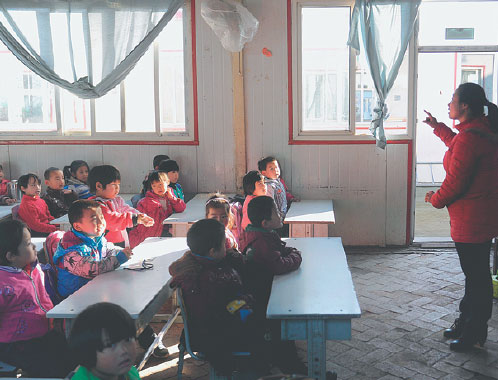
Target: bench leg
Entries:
(159, 338)
(316, 349)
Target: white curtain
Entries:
(386, 27)
(84, 46)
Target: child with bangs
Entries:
(218, 207)
(102, 340)
(76, 176)
(159, 203)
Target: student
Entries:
(218, 207)
(159, 203)
(83, 253)
(265, 256)
(76, 178)
(26, 340)
(254, 186)
(155, 164)
(172, 169)
(218, 307)
(270, 168)
(104, 181)
(102, 341)
(57, 198)
(5, 199)
(33, 210)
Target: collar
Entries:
(92, 243)
(151, 194)
(28, 268)
(54, 191)
(477, 122)
(29, 198)
(250, 227)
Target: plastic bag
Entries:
(231, 22)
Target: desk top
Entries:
(321, 288)
(195, 210)
(311, 211)
(6, 211)
(133, 290)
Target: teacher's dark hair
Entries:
(474, 96)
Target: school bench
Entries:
(140, 292)
(317, 301)
(310, 218)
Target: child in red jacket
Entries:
(5, 198)
(33, 210)
(104, 181)
(159, 203)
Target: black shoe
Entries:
(455, 330)
(160, 351)
(464, 345)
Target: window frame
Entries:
(295, 89)
(189, 137)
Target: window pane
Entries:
(139, 95)
(27, 102)
(366, 99)
(171, 76)
(108, 111)
(75, 113)
(458, 23)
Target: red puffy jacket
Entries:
(152, 205)
(470, 188)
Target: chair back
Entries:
(188, 347)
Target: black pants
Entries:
(477, 302)
(47, 356)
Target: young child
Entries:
(172, 169)
(159, 203)
(218, 207)
(269, 167)
(26, 340)
(83, 253)
(104, 181)
(145, 184)
(5, 199)
(33, 210)
(102, 340)
(254, 186)
(219, 310)
(76, 178)
(266, 255)
(57, 198)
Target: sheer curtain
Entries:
(84, 46)
(386, 28)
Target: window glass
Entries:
(108, 111)
(458, 23)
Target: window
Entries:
(333, 95)
(154, 102)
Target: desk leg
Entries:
(68, 323)
(316, 349)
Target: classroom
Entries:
(347, 98)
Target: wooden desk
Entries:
(6, 211)
(317, 301)
(309, 218)
(195, 210)
(141, 293)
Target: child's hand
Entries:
(428, 196)
(430, 120)
(146, 220)
(67, 191)
(10, 201)
(128, 252)
(170, 194)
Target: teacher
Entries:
(470, 192)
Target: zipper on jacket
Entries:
(36, 293)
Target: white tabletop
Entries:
(6, 211)
(311, 211)
(321, 288)
(64, 219)
(195, 210)
(133, 290)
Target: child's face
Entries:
(272, 170)
(173, 176)
(110, 191)
(260, 188)
(275, 222)
(33, 189)
(159, 187)
(115, 360)
(92, 223)
(56, 180)
(81, 174)
(218, 213)
(26, 252)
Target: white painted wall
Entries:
(368, 185)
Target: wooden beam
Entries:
(239, 126)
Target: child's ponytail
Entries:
(493, 116)
(67, 172)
